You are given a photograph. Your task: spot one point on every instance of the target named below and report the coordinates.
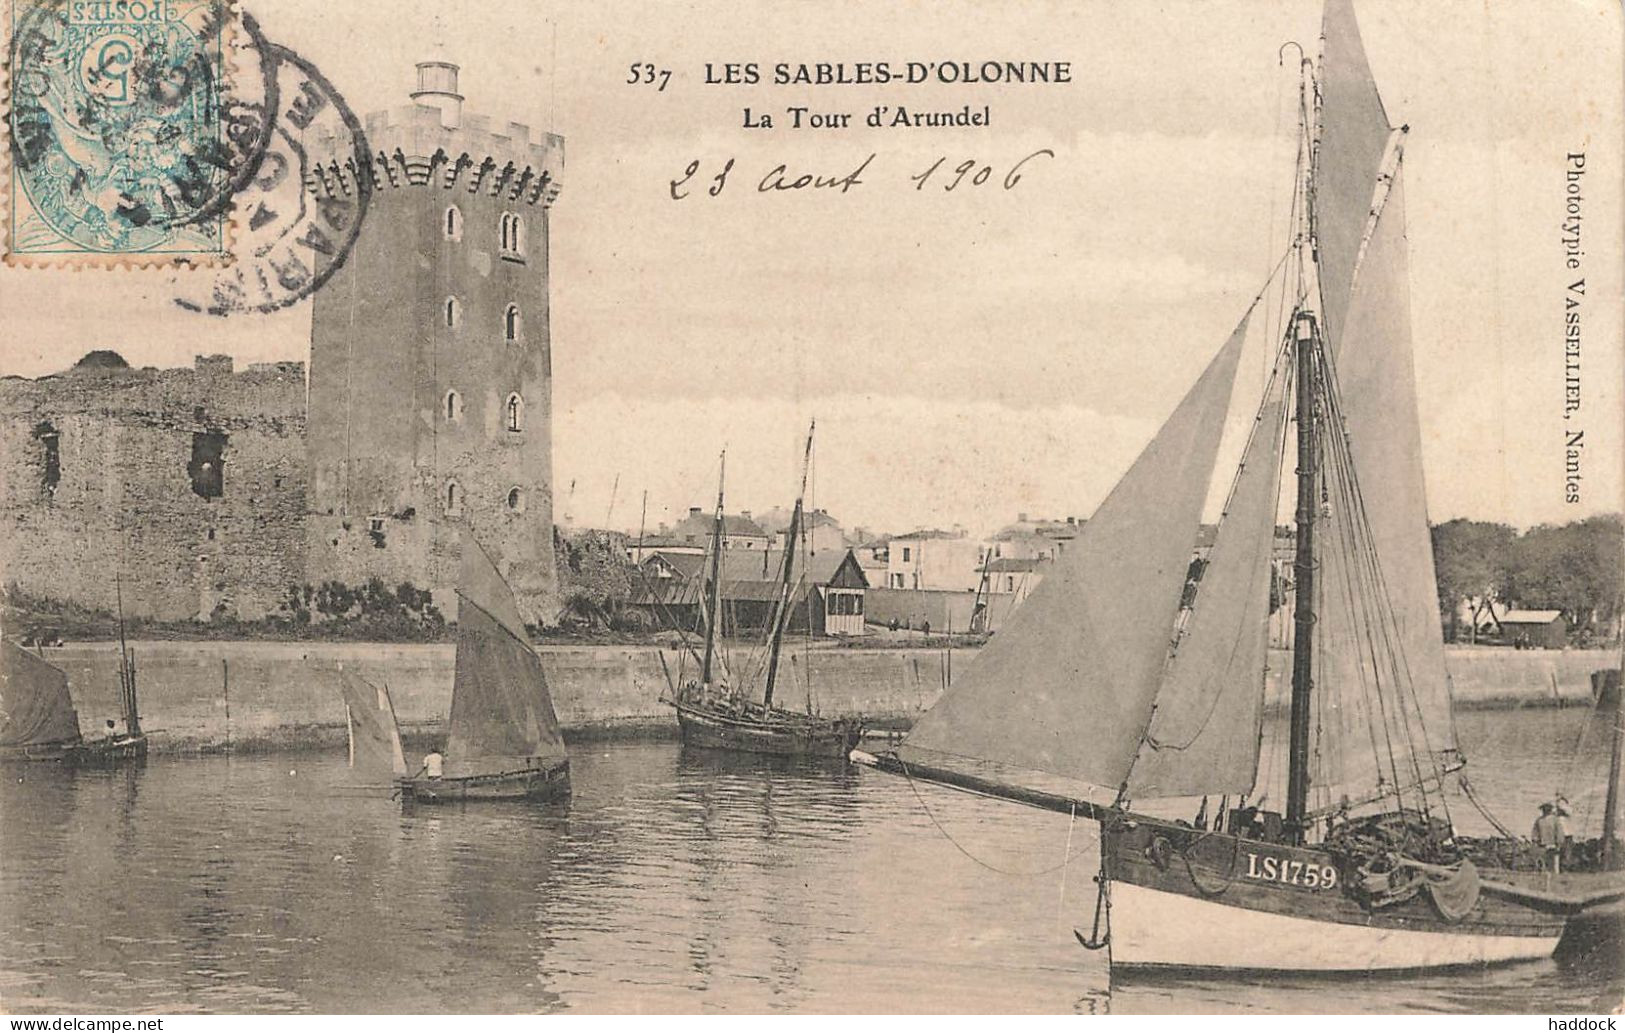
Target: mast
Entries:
(126, 669)
(1303, 573)
(1610, 813)
(791, 535)
(715, 615)
(1305, 334)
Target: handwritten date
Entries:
(968, 174)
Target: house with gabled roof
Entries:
(827, 595)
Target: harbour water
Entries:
(671, 881)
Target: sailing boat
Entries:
(37, 719)
(374, 734)
(712, 713)
(1591, 879)
(131, 744)
(504, 741)
(1131, 690)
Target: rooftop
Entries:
(1530, 616)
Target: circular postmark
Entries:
(300, 205)
(119, 137)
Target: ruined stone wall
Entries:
(125, 509)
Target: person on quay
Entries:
(1548, 836)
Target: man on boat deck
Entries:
(1548, 834)
(1565, 838)
(434, 765)
(112, 729)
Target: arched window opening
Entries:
(513, 235)
(516, 499)
(510, 323)
(454, 406)
(515, 411)
(454, 312)
(454, 223)
(454, 497)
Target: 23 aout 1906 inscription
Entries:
(781, 178)
(1293, 873)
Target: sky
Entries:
(975, 354)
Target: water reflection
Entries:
(672, 880)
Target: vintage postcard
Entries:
(760, 507)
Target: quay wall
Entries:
(199, 696)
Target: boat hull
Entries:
(1182, 898)
(797, 736)
(52, 752)
(101, 753)
(94, 753)
(525, 784)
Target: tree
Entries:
(1470, 560)
(1575, 568)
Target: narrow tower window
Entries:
(510, 323)
(516, 500)
(507, 228)
(454, 223)
(454, 312)
(454, 406)
(516, 413)
(454, 498)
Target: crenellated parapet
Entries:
(413, 147)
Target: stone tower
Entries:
(430, 411)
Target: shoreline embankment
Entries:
(261, 696)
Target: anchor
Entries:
(1099, 937)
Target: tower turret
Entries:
(437, 88)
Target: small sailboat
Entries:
(715, 714)
(124, 745)
(374, 734)
(128, 744)
(504, 741)
(1590, 875)
(37, 718)
(1119, 693)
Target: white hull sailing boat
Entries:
(1132, 690)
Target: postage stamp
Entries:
(116, 142)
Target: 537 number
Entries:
(642, 73)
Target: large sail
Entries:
(375, 738)
(35, 708)
(1381, 677)
(502, 716)
(1353, 137)
(1066, 686)
(1204, 734)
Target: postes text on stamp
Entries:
(117, 146)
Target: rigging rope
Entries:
(1067, 860)
(1376, 594)
(1472, 798)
